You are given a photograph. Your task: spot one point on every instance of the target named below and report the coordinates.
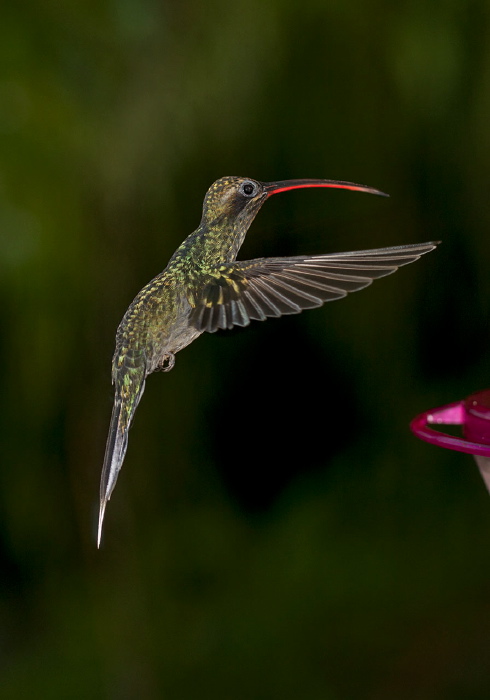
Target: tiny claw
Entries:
(167, 363)
(170, 361)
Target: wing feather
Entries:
(243, 291)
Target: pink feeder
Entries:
(473, 414)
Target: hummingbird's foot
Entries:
(167, 363)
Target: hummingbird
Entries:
(204, 288)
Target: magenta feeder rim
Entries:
(473, 414)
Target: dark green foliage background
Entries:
(276, 532)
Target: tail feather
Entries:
(117, 443)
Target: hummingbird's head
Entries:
(236, 200)
(231, 203)
(233, 200)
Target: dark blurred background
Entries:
(277, 531)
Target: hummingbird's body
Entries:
(203, 288)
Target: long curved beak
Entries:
(285, 185)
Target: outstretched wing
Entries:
(257, 289)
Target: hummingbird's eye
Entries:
(248, 189)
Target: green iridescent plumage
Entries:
(204, 288)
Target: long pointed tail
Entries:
(115, 451)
